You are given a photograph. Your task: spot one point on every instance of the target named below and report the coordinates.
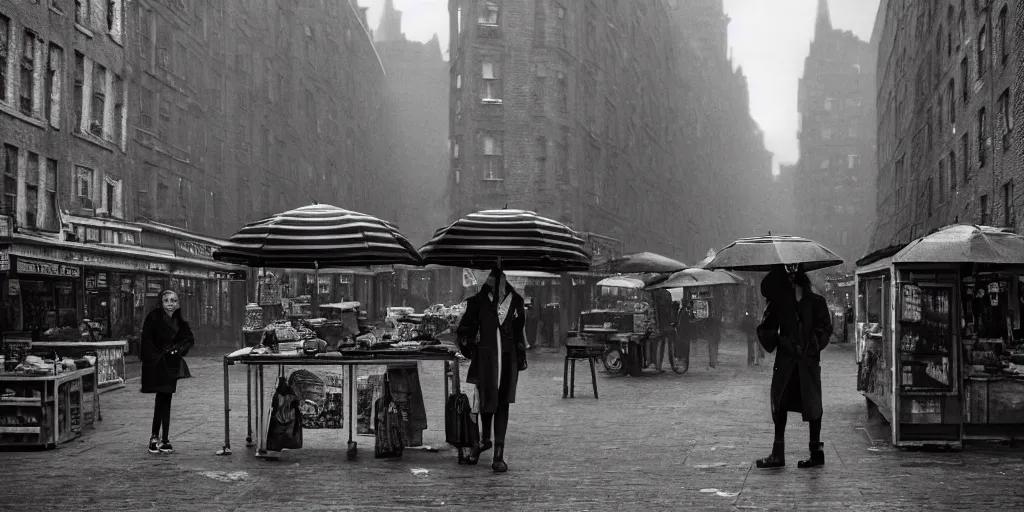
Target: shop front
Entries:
(939, 349)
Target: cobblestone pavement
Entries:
(658, 442)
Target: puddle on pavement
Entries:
(420, 471)
(226, 476)
(709, 466)
(723, 447)
(722, 494)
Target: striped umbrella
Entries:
(760, 254)
(515, 239)
(318, 236)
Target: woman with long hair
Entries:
(797, 323)
(166, 339)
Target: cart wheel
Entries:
(352, 451)
(612, 360)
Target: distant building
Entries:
(417, 88)
(621, 119)
(948, 147)
(835, 183)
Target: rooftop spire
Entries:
(390, 28)
(824, 21)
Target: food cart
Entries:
(939, 342)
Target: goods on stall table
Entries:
(253, 317)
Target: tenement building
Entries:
(949, 78)
(594, 113)
(137, 135)
(417, 87)
(834, 182)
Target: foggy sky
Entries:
(769, 38)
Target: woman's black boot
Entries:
(498, 465)
(817, 457)
(480, 447)
(776, 460)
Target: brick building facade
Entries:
(417, 87)
(835, 179)
(948, 96)
(610, 116)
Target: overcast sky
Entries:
(769, 38)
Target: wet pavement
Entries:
(658, 442)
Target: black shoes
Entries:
(481, 447)
(817, 457)
(776, 460)
(498, 464)
(154, 444)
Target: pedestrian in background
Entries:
(798, 324)
(663, 340)
(166, 340)
(684, 335)
(498, 317)
(748, 325)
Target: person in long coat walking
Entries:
(492, 333)
(798, 324)
(166, 339)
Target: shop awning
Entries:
(877, 266)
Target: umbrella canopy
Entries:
(315, 236)
(645, 262)
(962, 243)
(521, 240)
(760, 254)
(692, 277)
(621, 282)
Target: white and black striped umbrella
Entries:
(318, 236)
(761, 253)
(521, 240)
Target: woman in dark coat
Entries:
(497, 357)
(166, 339)
(798, 323)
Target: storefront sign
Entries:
(159, 267)
(190, 249)
(5, 262)
(13, 287)
(6, 226)
(235, 275)
(27, 266)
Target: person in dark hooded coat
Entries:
(499, 320)
(798, 324)
(166, 339)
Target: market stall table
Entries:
(110, 364)
(52, 409)
(350, 359)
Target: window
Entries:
(79, 91)
(964, 79)
(54, 84)
(458, 82)
(10, 180)
(145, 35)
(951, 99)
(82, 12)
(949, 35)
(1003, 49)
(540, 17)
(983, 201)
(898, 185)
(116, 131)
(31, 190)
(853, 161)
(982, 137)
(965, 156)
(162, 193)
(83, 186)
(5, 47)
(491, 83)
(99, 99)
(982, 46)
(942, 181)
(28, 67)
(489, 13)
(493, 165)
(1006, 115)
(1009, 216)
(114, 19)
(48, 182)
(147, 104)
(952, 170)
(112, 200)
(539, 88)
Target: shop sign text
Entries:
(190, 249)
(26, 266)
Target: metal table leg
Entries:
(226, 449)
(456, 389)
(248, 399)
(261, 445)
(353, 450)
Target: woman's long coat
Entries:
(481, 318)
(160, 336)
(799, 331)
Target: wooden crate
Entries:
(46, 410)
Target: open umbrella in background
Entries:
(963, 243)
(760, 254)
(507, 239)
(644, 262)
(693, 277)
(318, 236)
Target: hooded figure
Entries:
(498, 318)
(797, 323)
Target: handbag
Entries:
(389, 441)
(183, 370)
(285, 429)
(461, 431)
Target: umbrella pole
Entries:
(316, 289)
